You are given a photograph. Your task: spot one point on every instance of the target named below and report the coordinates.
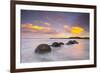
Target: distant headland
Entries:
(72, 38)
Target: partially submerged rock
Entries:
(72, 42)
(43, 48)
(61, 43)
(55, 44)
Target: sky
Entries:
(54, 24)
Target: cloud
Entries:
(27, 28)
(48, 30)
(67, 28)
(30, 26)
(59, 35)
(37, 29)
(77, 30)
(52, 32)
(73, 29)
(46, 23)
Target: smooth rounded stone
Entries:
(56, 44)
(61, 43)
(75, 42)
(72, 42)
(43, 48)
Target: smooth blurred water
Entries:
(64, 53)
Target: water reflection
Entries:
(78, 51)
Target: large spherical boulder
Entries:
(55, 44)
(43, 48)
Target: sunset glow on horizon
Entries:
(54, 24)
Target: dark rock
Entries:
(72, 42)
(43, 48)
(61, 43)
(75, 42)
(55, 44)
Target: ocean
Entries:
(78, 51)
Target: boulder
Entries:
(61, 43)
(43, 48)
(56, 44)
(75, 42)
(72, 42)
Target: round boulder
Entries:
(72, 42)
(43, 48)
(55, 44)
(61, 43)
(75, 42)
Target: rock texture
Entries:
(43, 48)
(61, 43)
(56, 44)
(72, 42)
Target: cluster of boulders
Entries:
(45, 48)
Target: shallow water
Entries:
(64, 53)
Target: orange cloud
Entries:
(76, 30)
(39, 29)
(47, 29)
(26, 25)
(32, 26)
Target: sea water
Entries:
(78, 51)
